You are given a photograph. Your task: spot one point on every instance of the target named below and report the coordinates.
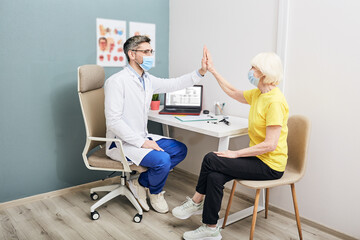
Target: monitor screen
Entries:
(190, 96)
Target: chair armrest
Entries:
(101, 139)
(123, 159)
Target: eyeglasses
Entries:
(147, 51)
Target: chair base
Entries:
(114, 191)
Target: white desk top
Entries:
(238, 126)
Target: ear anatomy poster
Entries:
(148, 29)
(110, 38)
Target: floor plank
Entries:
(68, 217)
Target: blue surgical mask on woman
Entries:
(148, 62)
(252, 79)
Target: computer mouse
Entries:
(206, 112)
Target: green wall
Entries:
(41, 126)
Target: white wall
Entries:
(223, 26)
(321, 83)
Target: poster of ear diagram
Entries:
(147, 29)
(110, 38)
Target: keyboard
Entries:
(175, 110)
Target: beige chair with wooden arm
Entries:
(91, 79)
(298, 138)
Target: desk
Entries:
(238, 127)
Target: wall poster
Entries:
(110, 38)
(148, 29)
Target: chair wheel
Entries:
(137, 218)
(94, 196)
(95, 215)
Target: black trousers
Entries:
(216, 171)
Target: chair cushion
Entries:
(290, 176)
(99, 159)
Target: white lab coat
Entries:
(127, 106)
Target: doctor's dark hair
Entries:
(134, 42)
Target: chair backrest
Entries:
(91, 79)
(298, 141)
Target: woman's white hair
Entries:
(270, 65)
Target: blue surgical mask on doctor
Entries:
(148, 63)
(252, 79)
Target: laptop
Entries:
(187, 101)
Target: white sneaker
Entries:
(203, 233)
(188, 208)
(158, 202)
(139, 193)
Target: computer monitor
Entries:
(188, 97)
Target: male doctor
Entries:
(128, 95)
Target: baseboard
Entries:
(187, 174)
(59, 192)
(312, 224)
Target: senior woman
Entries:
(264, 159)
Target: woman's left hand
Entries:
(227, 154)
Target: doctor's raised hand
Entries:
(203, 68)
(209, 61)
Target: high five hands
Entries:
(206, 62)
(208, 65)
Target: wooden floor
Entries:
(67, 217)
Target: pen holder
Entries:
(219, 108)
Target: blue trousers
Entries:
(159, 164)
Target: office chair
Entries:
(298, 138)
(91, 93)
